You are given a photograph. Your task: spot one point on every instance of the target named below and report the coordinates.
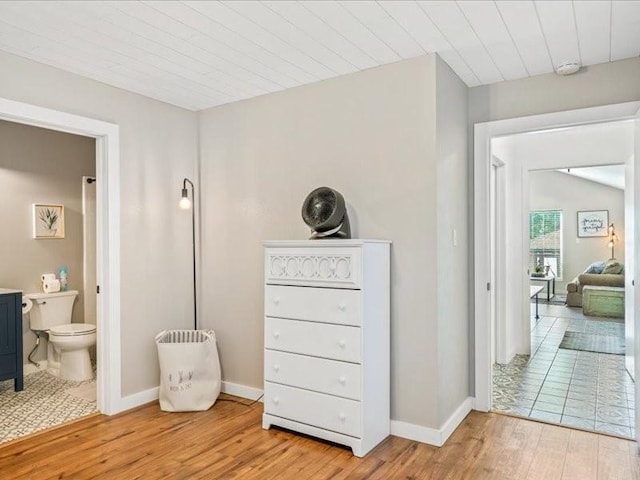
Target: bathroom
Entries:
(51, 169)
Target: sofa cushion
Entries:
(603, 280)
(614, 267)
(596, 267)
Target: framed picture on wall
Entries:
(48, 221)
(593, 223)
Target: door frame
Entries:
(483, 134)
(107, 136)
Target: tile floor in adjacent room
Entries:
(588, 390)
(45, 402)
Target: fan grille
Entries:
(319, 207)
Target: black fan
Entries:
(325, 212)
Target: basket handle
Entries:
(160, 335)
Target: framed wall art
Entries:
(48, 221)
(593, 223)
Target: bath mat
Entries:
(86, 392)
(589, 342)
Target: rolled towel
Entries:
(51, 286)
(47, 277)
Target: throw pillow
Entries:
(613, 267)
(595, 267)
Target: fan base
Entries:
(342, 231)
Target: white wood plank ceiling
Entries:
(198, 54)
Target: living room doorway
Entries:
(575, 372)
(515, 250)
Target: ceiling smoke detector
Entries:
(567, 68)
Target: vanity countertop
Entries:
(4, 291)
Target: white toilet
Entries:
(69, 343)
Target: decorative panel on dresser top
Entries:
(326, 365)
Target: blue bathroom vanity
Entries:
(11, 337)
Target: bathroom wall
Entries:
(41, 166)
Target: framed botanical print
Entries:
(48, 221)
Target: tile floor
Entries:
(45, 402)
(587, 390)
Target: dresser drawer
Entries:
(324, 411)
(329, 305)
(335, 342)
(312, 373)
(337, 267)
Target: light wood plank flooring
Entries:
(228, 442)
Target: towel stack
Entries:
(50, 284)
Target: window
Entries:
(545, 241)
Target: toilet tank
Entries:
(51, 309)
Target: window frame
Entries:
(559, 274)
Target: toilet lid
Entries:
(73, 329)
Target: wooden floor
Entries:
(228, 442)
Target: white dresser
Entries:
(326, 338)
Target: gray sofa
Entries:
(574, 288)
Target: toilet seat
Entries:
(73, 329)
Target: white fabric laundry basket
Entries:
(189, 370)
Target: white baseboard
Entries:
(31, 368)
(433, 436)
(417, 433)
(139, 398)
(241, 390)
(146, 396)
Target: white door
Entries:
(629, 263)
(492, 300)
(89, 246)
(632, 283)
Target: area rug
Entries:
(558, 300)
(590, 342)
(86, 391)
(555, 300)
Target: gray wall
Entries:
(602, 84)
(372, 136)
(158, 147)
(41, 166)
(453, 262)
(549, 190)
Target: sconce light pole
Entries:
(612, 239)
(187, 203)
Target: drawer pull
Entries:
(276, 400)
(342, 417)
(342, 379)
(276, 367)
(276, 335)
(342, 343)
(276, 300)
(342, 307)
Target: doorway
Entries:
(45, 213)
(106, 135)
(574, 373)
(485, 135)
